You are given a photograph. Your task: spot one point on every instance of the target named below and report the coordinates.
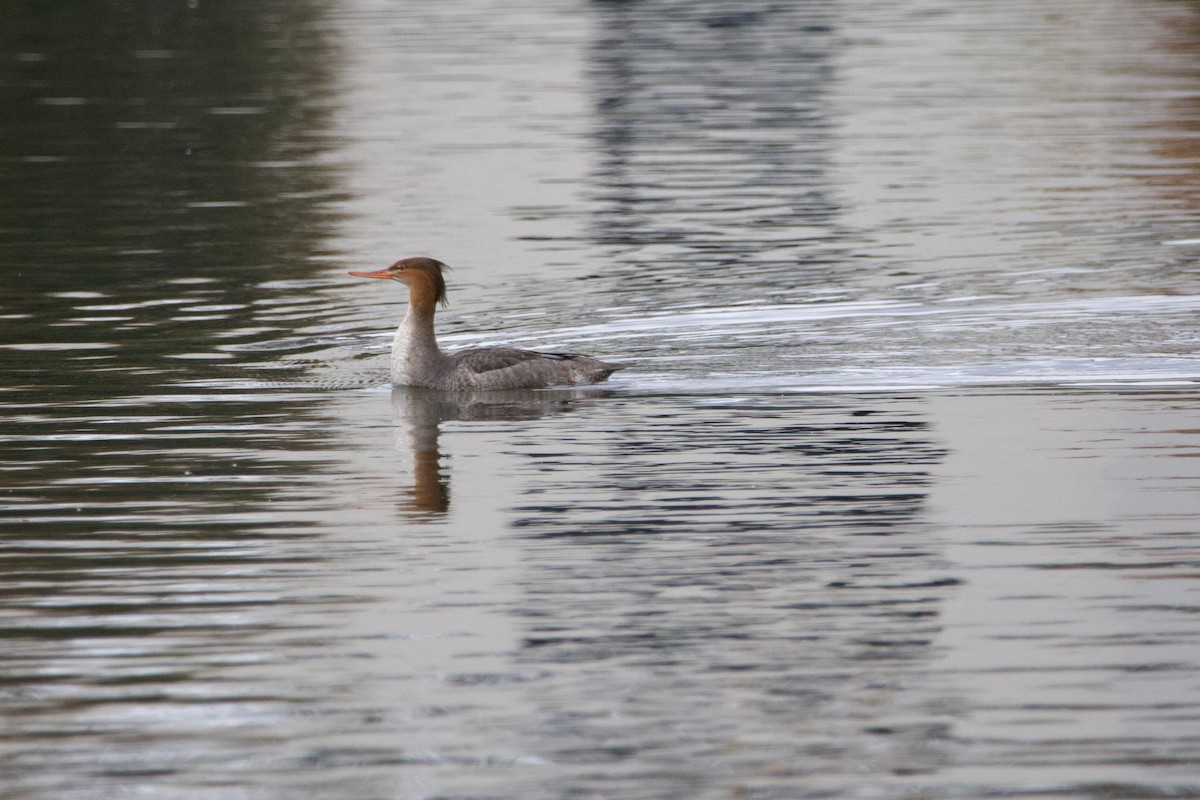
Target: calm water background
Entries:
(899, 497)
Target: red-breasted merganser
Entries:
(417, 361)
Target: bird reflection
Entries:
(419, 414)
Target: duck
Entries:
(418, 361)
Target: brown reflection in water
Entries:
(420, 413)
(1177, 134)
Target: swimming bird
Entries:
(417, 360)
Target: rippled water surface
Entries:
(897, 497)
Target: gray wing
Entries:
(489, 359)
(510, 368)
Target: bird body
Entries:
(418, 361)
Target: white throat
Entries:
(414, 349)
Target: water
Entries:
(898, 496)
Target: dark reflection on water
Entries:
(149, 175)
(740, 580)
(714, 141)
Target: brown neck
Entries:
(422, 295)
